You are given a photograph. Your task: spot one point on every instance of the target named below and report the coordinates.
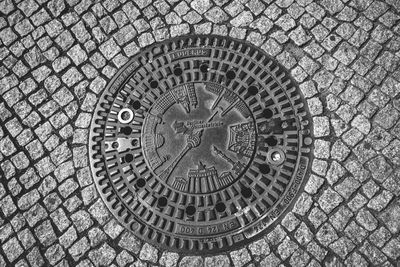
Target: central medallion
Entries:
(198, 137)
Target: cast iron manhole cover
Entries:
(200, 143)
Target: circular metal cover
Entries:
(200, 143)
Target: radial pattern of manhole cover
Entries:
(200, 143)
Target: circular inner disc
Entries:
(198, 144)
(199, 133)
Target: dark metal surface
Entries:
(200, 143)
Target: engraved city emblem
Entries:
(218, 117)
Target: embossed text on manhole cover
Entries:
(200, 143)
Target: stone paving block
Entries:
(191, 261)
(287, 248)
(68, 237)
(169, 259)
(129, 242)
(79, 249)
(54, 254)
(372, 253)
(125, 258)
(329, 200)
(26, 238)
(60, 219)
(96, 236)
(326, 235)
(12, 249)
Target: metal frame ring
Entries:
(121, 120)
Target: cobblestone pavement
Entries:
(57, 56)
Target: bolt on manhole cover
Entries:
(200, 143)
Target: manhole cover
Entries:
(200, 143)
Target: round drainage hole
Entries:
(204, 68)
(220, 207)
(190, 210)
(162, 202)
(136, 104)
(271, 141)
(246, 192)
(253, 90)
(153, 84)
(230, 75)
(141, 182)
(264, 168)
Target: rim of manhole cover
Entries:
(200, 143)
